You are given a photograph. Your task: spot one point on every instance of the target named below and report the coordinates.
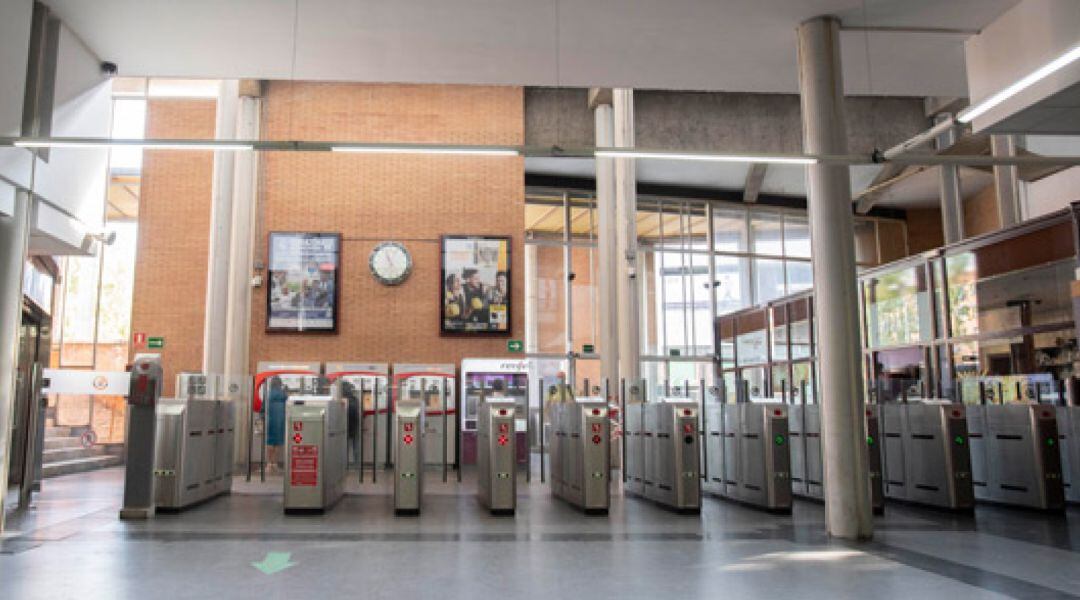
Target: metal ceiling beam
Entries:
(755, 176)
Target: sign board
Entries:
(138, 339)
(588, 349)
(94, 383)
(155, 342)
(514, 346)
(304, 465)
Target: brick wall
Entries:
(174, 224)
(372, 198)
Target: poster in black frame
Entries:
(302, 282)
(474, 287)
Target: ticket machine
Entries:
(408, 456)
(433, 386)
(496, 464)
(315, 461)
(581, 453)
(483, 378)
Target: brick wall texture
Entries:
(174, 224)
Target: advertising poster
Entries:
(475, 285)
(302, 282)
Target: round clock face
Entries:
(390, 263)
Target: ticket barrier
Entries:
(926, 454)
(193, 456)
(496, 445)
(408, 456)
(1015, 457)
(581, 454)
(807, 466)
(144, 391)
(662, 453)
(747, 454)
(1068, 418)
(315, 463)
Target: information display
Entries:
(301, 294)
(475, 284)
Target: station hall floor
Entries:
(73, 546)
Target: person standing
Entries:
(274, 416)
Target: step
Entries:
(51, 432)
(81, 465)
(62, 442)
(61, 454)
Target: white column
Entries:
(532, 299)
(1006, 181)
(606, 234)
(952, 208)
(221, 212)
(628, 287)
(14, 237)
(832, 232)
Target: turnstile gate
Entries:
(807, 467)
(581, 453)
(315, 438)
(497, 451)
(662, 453)
(926, 457)
(747, 453)
(408, 456)
(1015, 456)
(193, 455)
(1068, 418)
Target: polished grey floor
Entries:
(73, 546)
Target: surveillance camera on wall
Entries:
(109, 68)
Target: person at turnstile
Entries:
(352, 397)
(275, 420)
(560, 392)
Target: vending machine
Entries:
(493, 378)
(433, 386)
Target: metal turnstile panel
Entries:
(750, 454)
(315, 438)
(1068, 418)
(806, 421)
(1015, 455)
(581, 453)
(634, 438)
(668, 465)
(497, 453)
(193, 451)
(409, 454)
(927, 454)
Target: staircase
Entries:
(64, 454)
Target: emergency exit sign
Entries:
(155, 342)
(514, 346)
(588, 349)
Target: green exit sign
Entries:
(155, 342)
(588, 349)
(514, 346)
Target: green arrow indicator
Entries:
(274, 562)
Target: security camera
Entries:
(109, 68)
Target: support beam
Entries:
(606, 241)
(952, 207)
(628, 286)
(832, 229)
(217, 277)
(754, 178)
(14, 239)
(1006, 181)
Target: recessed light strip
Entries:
(129, 143)
(776, 159)
(1027, 81)
(454, 150)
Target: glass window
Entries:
(733, 291)
(750, 344)
(767, 234)
(729, 230)
(802, 374)
(551, 300)
(898, 307)
(800, 276)
(778, 324)
(768, 279)
(796, 237)
(800, 328)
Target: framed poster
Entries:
(475, 284)
(302, 282)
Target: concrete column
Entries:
(221, 212)
(952, 208)
(14, 237)
(847, 483)
(628, 287)
(1006, 181)
(532, 299)
(606, 235)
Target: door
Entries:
(33, 354)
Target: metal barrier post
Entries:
(540, 385)
(360, 431)
(446, 431)
(390, 398)
(622, 425)
(667, 387)
(982, 393)
(528, 434)
(375, 432)
(703, 434)
(1019, 392)
(588, 390)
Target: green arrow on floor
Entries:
(274, 562)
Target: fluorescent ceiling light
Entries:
(1031, 79)
(462, 150)
(145, 144)
(776, 159)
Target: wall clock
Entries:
(390, 263)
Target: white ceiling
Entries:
(727, 45)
